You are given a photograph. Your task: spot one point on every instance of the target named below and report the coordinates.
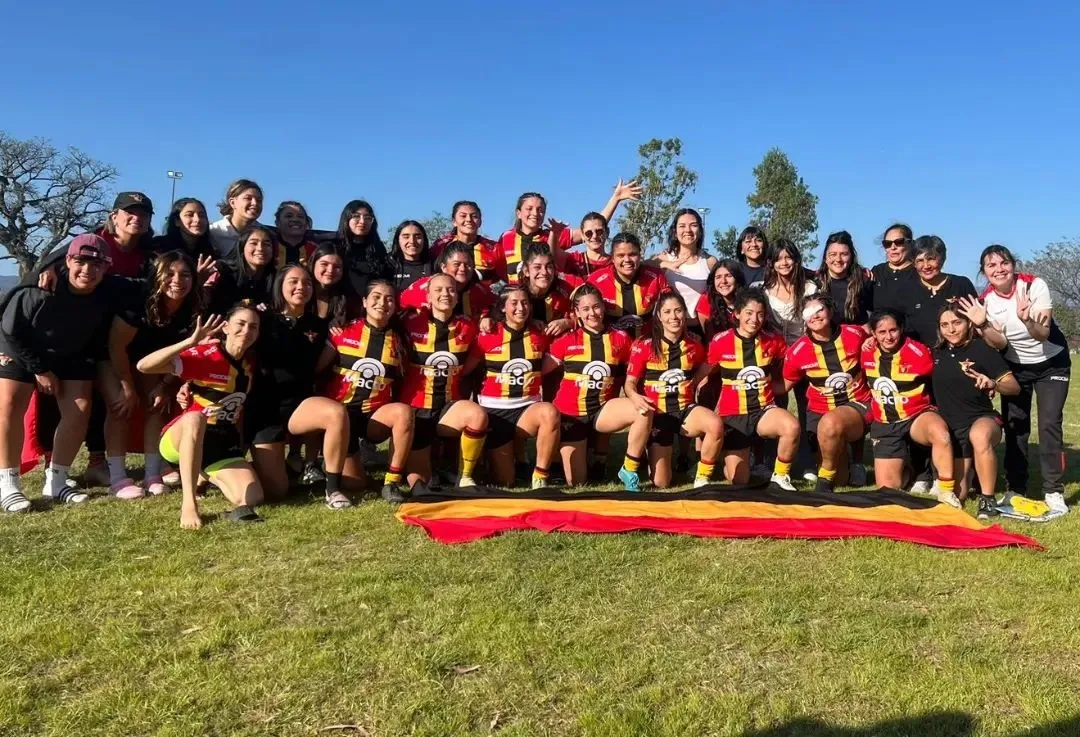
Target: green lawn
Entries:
(113, 621)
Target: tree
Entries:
(782, 205)
(664, 181)
(725, 243)
(46, 196)
(1059, 266)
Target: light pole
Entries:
(173, 175)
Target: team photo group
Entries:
(263, 358)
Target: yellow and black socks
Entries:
(539, 476)
(472, 445)
(631, 463)
(948, 485)
(825, 478)
(393, 475)
(782, 468)
(705, 469)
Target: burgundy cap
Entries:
(89, 245)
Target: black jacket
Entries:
(404, 273)
(365, 262)
(236, 283)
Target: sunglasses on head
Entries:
(599, 233)
(894, 242)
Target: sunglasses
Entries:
(897, 242)
(598, 233)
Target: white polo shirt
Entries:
(1022, 349)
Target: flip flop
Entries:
(68, 495)
(243, 514)
(15, 503)
(337, 500)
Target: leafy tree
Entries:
(724, 243)
(665, 180)
(46, 196)
(781, 204)
(1059, 265)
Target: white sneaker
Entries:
(783, 481)
(810, 477)
(921, 487)
(539, 483)
(701, 481)
(857, 475)
(465, 482)
(1056, 502)
(946, 497)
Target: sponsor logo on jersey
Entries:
(838, 382)
(229, 406)
(752, 378)
(440, 363)
(515, 371)
(887, 391)
(671, 379)
(595, 375)
(366, 372)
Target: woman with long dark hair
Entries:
(293, 224)
(786, 284)
(247, 275)
(188, 230)
(549, 295)
(410, 255)
(685, 264)
(358, 236)
(848, 284)
(488, 255)
(666, 366)
(164, 318)
(240, 209)
(715, 308)
(331, 301)
(753, 247)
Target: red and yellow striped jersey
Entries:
(899, 380)
(514, 243)
(667, 379)
(746, 370)
(219, 383)
(594, 367)
(368, 367)
(579, 264)
(487, 256)
(635, 297)
(833, 368)
(287, 254)
(555, 305)
(512, 361)
(475, 302)
(437, 354)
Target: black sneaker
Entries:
(987, 507)
(823, 485)
(393, 494)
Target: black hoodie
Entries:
(236, 283)
(178, 239)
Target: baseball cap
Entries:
(91, 246)
(130, 200)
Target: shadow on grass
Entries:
(937, 724)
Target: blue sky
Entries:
(959, 118)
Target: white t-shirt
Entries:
(791, 324)
(689, 280)
(1022, 348)
(223, 236)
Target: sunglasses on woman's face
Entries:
(595, 233)
(894, 243)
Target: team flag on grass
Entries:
(761, 510)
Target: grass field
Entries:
(114, 621)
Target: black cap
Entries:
(132, 200)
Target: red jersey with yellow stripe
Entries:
(474, 302)
(512, 365)
(487, 256)
(555, 305)
(514, 243)
(437, 354)
(368, 367)
(579, 264)
(635, 297)
(666, 379)
(594, 367)
(300, 254)
(833, 368)
(746, 366)
(899, 381)
(219, 383)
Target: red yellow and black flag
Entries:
(464, 515)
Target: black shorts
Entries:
(67, 368)
(961, 442)
(666, 426)
(426, 424)
(813, 418)
(740, 430)
(221, 446)
(577, 429)
(359, 425)
(892, 440)
(502, 425)
(270, 423)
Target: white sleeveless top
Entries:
(689, 280)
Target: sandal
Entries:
(127, 490)
(15, 503)
(243, 514)
(155, 486)
(68, 495)
(337, 500)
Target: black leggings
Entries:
(1049, 381)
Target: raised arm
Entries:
(163, 361)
